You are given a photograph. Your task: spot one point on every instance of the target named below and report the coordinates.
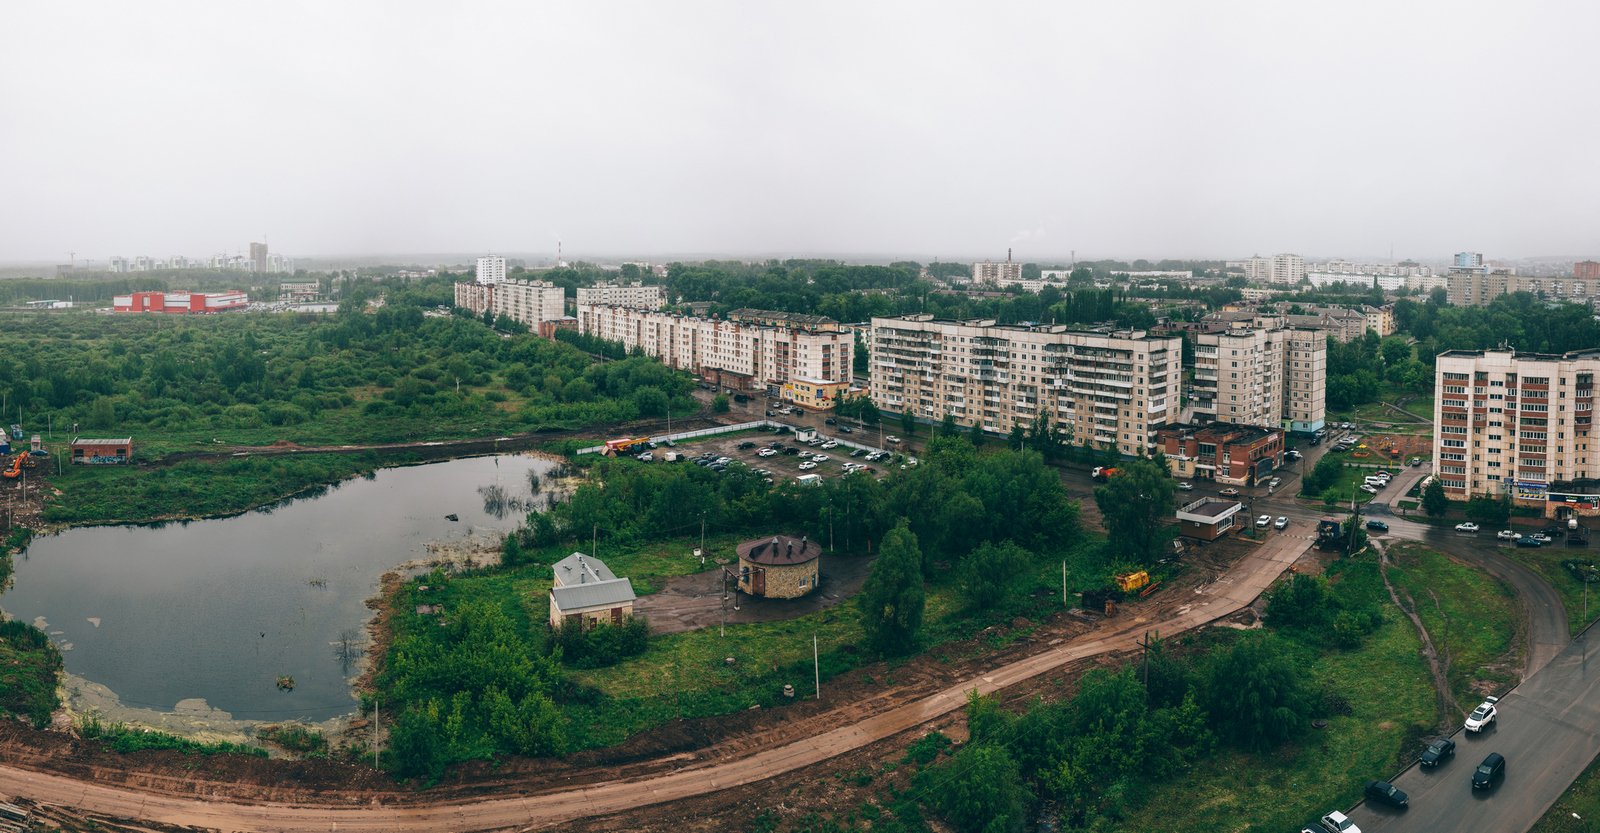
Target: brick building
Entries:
(1209, 518)
(780, 567)
(1240, 455)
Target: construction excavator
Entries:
(18, 463)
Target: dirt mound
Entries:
(285, 444)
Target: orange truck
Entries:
(1103, 473)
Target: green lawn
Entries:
(1387, 686)
(1422, 406)
(1483, 615)
(1546, 561)
(1351, 477)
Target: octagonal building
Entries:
(779, 567)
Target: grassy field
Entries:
(1422, 406)
(1387, 686)
(1581, 799)
(1350, 479)
(1483, 615)
(28, 668)
(1546, 561)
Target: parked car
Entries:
(860, 452)
(646, 457)
(1387, 793)
(791, 450)
(1576, 540)
(1263, 520)
(1377, 526)
(1280, 523)
(891, 439)
(845, 429)
(1416, 461)
(1337, 822)
(807, 465)
(1469, 526)
(1187, 487)
(1229, 492)
(1292, 454)
(652, 445)
(766, 452)
(772, 413)
(1541, 538)
(1483, 715)
(1437, 752)
(830, 444)
(1370, 489)
(670, 444)
(1507, 535)
(1528, 541)
(1492, 767)
(830, 421)
(747, 444)
(1553, 531)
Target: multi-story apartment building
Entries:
(1114, 388)
(1262, 376)
(1380, 319)
(475, 295)
(1581, 290)
(635, 295)
(1280, 268)
(258, 258)
(1586, 270)
(738, 354)
(998, 274)
(529, 302)
(491, 269)
(1518, 423)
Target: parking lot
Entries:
(748, 447)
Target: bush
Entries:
(601, 645)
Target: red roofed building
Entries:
(181, 302)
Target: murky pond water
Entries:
(220, 609)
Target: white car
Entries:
(1263, 520)
(807, 465)
(765, 452)
(1507, 535)
(891, 439)
(1186, 486)
(1469, 526)
(821, 458)
(1369, 489)
(1483, 715)
(1280, 523)
(830, 444)
(1337, 822)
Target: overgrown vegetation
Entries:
(29, 664)
(124, 739)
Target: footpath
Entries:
(1231, 592)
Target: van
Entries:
(809, 480)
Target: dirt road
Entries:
(1229, 593)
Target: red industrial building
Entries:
(181, 302)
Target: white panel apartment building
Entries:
(528, 302)
(1280, 268)
(491, 269)
(1115, 388)
(1518, 422)
(635, 295)
(1265, 377)
(758, 355)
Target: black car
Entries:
(770, 413)
(791, 450)
(1554, 531)
(830, 421)
(1438, 751)
(845, 429)
(747, 444)
(1527, 541)
(1492, 767)
(670, 443)
(1386, 792)
(1378, 526)
(1576, 540)
(860, 452)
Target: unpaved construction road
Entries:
(1231, 592)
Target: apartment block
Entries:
(1115, 388)
(1519, 424)
(475, 295)
(1280, 268)
(1380, 319)
(1586, 270)
(635, 295)
(739, 354)
(999, 274)
(491, 269)
(1262, 376)
(1576, 288)
(529, 302)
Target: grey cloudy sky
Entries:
(1114, 129)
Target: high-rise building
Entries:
(745, 355)
(1469, 260)
(1586, 270)
(1287, 268)
(635, 295)
(529, 302)
(491, 269)
(118, 263)
(999, 274)
(258, 258)
(1518, 424)
(1113, 388)
(1268, 376)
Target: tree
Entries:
(1257, 698)
(719, 405)
(947, 426)
(1434, 501)
(1017, 437)
(1135, 505)
(103, 413)
(1489, 511)
(989, 576)
(908, 422)
(511, 551)
(976, 434)
(650, 401)
(1238, 282)
(488, 317)
(891, 601)
(1042, 437)
(1324, 474)
(981, 790)
(415, 744)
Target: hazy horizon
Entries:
(1157, 131)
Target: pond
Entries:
(218, 610)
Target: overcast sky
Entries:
(1126, 130)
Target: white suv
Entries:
(1483, 715)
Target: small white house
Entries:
(586, 591)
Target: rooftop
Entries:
(578, 568)
(779, 550)
(613, 592)
(86, 441)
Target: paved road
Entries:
(1548, 729)
(1235, 589)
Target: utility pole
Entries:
(1146, 645)
(1063, 583)
(816, 665)
(594, 542)
(374, 733)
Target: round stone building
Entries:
(779, 567)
